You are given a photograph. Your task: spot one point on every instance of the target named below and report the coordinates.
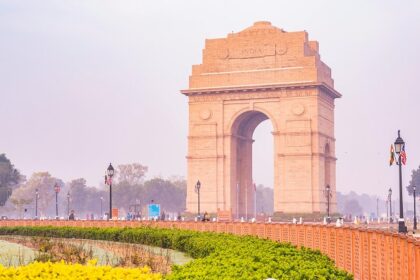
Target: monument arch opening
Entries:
(260, 73)
(263, 167)
(242, 141)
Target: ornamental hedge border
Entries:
(216, 255)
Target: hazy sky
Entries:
(83, 83)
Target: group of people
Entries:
(133, 216)
(163, 216)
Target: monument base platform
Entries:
(307, 217)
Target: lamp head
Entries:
(56, 188)
(399, 142)
(198, 185)
(110, 170)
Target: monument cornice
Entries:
(190, 157)
(262, 87)
(307, 154)
(314, 132)
(275, 133)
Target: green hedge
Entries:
(216, 255)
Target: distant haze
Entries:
(85, 83)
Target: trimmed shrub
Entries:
(216, 255)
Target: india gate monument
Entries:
(260, 73)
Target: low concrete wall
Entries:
(367, 254)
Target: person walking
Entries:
(71, 216)
(206, 217)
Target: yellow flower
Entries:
(62, 271)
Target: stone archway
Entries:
(243, 193)
(261, 73)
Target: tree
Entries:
(415, 181)
(78, 194)
(20, 199)
(132, 174)
(353, 207)
(171, 197)
(179, 182)
(86, 200)
(9, 178)
(170, 194)
(44, 183)
(125, 194)
(265, 201)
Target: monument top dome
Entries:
(262, 25)
(258, 27)
(263, 22)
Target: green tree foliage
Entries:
(415, 181)
(9, 178)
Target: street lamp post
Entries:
(399, 144)
(328, 196)
(102, 199)
(57, 190)
(108, 181)
(415, 215)
(390, 204)
(197, 189)
(36, 203)
(68, 204)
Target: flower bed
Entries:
(61, 270)
(81, 250)
(216, 256)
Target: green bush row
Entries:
(216, 255)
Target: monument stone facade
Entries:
(260, 73)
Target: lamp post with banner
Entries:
(68, 204)
(415, 214)
(102, 200)
(108, 181)
(56, 190)
(197, 190)
(36, 203)
(390, 204)
(328, 196)
(399, 146)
